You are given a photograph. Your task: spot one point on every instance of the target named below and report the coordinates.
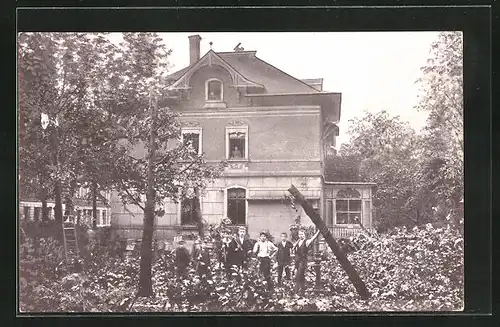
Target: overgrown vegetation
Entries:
(419, 175)
(416, 269)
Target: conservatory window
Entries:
(348, 207)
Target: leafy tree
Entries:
(386, 148)
(442, 98)
(160, 167)
(38, 93)
(69, 77)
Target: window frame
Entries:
(348, 211)
(237, 129)
(180, 211)
(226, 199)
(221, 90)
(194, 130)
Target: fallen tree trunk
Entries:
(341, 257)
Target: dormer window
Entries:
(213, 90)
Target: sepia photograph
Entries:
(175, 172)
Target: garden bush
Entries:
(405, 270)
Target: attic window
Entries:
(213, 90)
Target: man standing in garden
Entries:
(265, 249)
(240, 247)
(301, 249)
(283, 257)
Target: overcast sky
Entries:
(372, 70)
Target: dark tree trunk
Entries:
(58, 214)
(45, 209)
(94, 204)
(69, 198)
(145, 285)
(341, 257)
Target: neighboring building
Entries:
(273, 129)
(30, 208)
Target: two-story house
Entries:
(273, 129)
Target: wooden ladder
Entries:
(70, 239)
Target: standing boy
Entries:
(182, 258)
(226, 253)
(301, 248)
(283, 257)
(265, 249)
(240, 247)
(201, 258)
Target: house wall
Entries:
(271, 137)
(271, 214)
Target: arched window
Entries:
(214, 90)
(236, 205)
(348, 207)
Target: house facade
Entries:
(274, 130)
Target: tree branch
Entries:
(190, 165)
(136, 202)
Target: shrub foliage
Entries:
(416, 269)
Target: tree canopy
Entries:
(419, 176)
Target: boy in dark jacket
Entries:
(301, 249)
(182, 258)
(283, 257)
(240, 248)
(201, 258)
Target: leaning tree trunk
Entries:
(353, 275)
(145, 284)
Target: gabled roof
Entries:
(273, 79)
(209, 59)
(317, 83)
(250, 71)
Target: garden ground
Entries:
(404, 270)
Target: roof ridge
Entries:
(295, 78)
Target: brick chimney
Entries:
(194, 49)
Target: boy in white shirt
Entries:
(265, 250)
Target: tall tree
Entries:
(38, 89)
(442, 98)
(386, 148)
(69, 77)
(160, 167)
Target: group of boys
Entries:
(234, 253)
